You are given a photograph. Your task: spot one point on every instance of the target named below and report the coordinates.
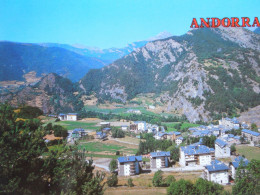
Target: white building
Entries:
(235, 164)
(196, 155)
(124, 127)
(141, 125)
(159, 159)
(229, 123)
(68, 117)
(222, 149)
(251, 136)
(104, 124)
(129, 165)
(217, 172)
(178, 140)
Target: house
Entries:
(235, 164)
(72, 116)
(62, 117)
(68, 117)
(201, 133)
(104, 124)
(217, 172)
(106, 130)
(129, 165)
(196, 154)
(160, 136)
(133, 111)
(152, 128)
(124, 127)
(179, 140)
(229, 123)
(159, 159)
(101, 135)
(134, 127)
(78, 133)
(173, 135)
(222, 149)
(251, 136)
(141, 125)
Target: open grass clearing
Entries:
(129, 139)
(70, 125)
(107, 148)
(250, 152)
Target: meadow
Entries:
(249, 152)
(70, 125)
(96, 147)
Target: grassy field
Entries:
(70, 125)
(143, 183)
(250, 152)
(171, 126)
(96, 147)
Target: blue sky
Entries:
(109, 23)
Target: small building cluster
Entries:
(68, 117)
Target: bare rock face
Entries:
(201, 74)
(52, 94)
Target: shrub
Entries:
(112, 180)
(130, 182)
(169, 180)
(158, 179)
(113, 165)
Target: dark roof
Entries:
(217, 166)
(239, 160)
(221, 143)
(123, 159)
(251, 132)
(159, 154)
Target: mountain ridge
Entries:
(189, 73)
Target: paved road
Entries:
(181, 169)
(102, 166)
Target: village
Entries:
(218, 164)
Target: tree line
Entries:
(27, 166)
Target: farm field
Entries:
(70, 125)
(107, 148)
(250, 152)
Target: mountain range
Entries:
(70, 61)
(17, 59)
(203, 74)
(107, 56)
